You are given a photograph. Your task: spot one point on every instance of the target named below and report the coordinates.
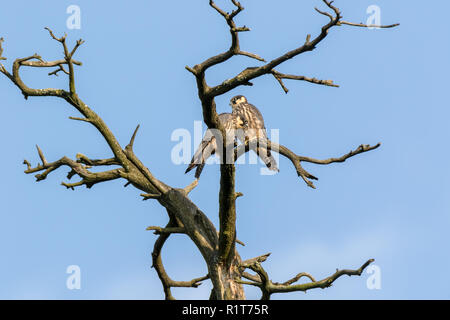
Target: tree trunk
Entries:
(225, 288)
(203, 233)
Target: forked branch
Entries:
(166, 281)
(298, 159)
(246, 76)
(280, 76)
(77, 167)
(262, 280)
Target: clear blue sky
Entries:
(391, 204)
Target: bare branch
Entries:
(48, 64)
(191, 186)
(81, 158)
(161, 230)
(240, 29)
(157, 261)
(235, 47)
(268, 145)
(325, 14)
(81, 119)
(251, 55)
(89, 179)
(133, 137)
(251, 283)
(237, 10)
(77, 45)
(298, 277)
(72, 186)
(268, 287)
(264, 283)
(254, 278)
(55, 72)
(166, 281)
(191, 70)
(62, 39)
(194, 283)
(68, 58)
(220, 11)
(41, 155)
(250, 262)
(249, 74)
(361, 149)
(158, 186)
(1, 49)
(148, 196)
(324, 283)
(280, 76)
(362, 25)
(297, 159)
(200, 69)
(26, 91)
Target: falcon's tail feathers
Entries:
(204, 151)
(191, 166)
(199, 170)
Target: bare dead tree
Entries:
(226, 270)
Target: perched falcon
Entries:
(208, 145)
(253, 128)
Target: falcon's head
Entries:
(237, 100)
